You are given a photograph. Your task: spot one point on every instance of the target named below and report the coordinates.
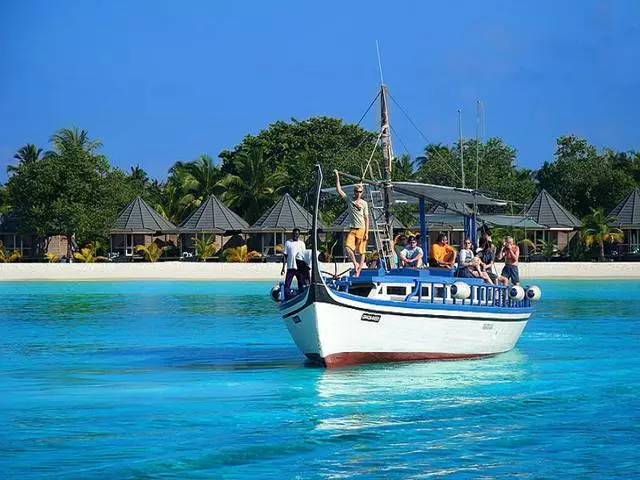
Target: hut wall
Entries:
(58, 245)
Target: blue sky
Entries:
(160, 81)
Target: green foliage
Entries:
(546, 249)
(205, 247)
(240, 254)
(9, 257)
(152, 253)
(497, 171)
(295, 147)
(52, 257)
(70, 190)
(253, 186)
(581, 178)
(325, 248)
(596, 230)
(176, 200)
(4, 199)
(518, 235)
(402, 169)
(26, 156)
(87, 254)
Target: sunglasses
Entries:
(357, 191)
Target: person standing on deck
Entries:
(510, 252)
(356, 241)
(293, 248)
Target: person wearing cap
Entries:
(358, 218)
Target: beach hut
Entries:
(627, 215)
(212, 218)
(560, 225)
(139, 224)
(13, 240)
(272, 228)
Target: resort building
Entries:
(627, 215)
(213, 218)
(11, 238)
(139, 224)
(560, 225)
(271, 230)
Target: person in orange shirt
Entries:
(442, 254)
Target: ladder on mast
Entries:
(382, 231)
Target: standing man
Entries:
(511, 254)
(356, 241)
(292, 248)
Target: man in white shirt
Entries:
(292, 248)
(411, 255)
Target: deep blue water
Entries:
(201, 380)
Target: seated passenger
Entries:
(442, 254)
(464, 260)
(411, 255)
(487, 256)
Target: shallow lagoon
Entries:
(201, 380)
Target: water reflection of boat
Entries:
(399, 379)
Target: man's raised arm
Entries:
(338, 187)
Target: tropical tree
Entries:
(4, 199)
(254, 187)
(87, 254)
(26, 155)
(546, 248)
(402, 169)
(326, 248)
(69, 191)
(518, 235)
(9, 257)
(240, 254)
(596, 230)
(152, 253)
(205, 174)
(205, 247)
(176, 201)
(52, 257)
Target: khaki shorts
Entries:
(355, 240)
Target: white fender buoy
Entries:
(534, 293)
(275, 293)
(516, 293)
(460, 290)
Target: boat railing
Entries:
(480, 294)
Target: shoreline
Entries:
(271, 271)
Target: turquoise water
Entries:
(186, 380)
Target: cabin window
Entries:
(361, 289)
(425, 291)
(439, 292)
(396, 290)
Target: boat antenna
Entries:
(379, 63)
(461, 147)
(478, 107)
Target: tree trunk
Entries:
(602, 251)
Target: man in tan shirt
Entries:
(356, 241)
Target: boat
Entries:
(391, 314)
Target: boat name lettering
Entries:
(487, 326)
(370, 317)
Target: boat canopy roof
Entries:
(410, 192)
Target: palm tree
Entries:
(240, 254)
(255, 186)
(205, 174)
(205, 247)
(87, 254)
(67, 138)
(152, 253)
(596, 230)
(26, 155)
(176, 201)
(516, 233)
(9, 257)
(403, 170)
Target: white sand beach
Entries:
(266, 271)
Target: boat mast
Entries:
(385, 136)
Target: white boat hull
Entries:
(345, 331)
